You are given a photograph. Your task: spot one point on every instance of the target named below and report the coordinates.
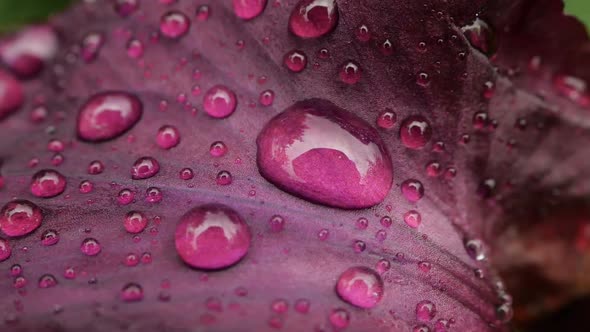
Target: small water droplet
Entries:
(144, 168)
(153, 195)
(48, 183)
(295, 60)
(95, 167)
(219, 102)
(387, 119)
(20, 217)
(49, 237)
(413, 218)
(415, 132)
(167, 137)
(481, 36)
(223, 178)
(90, 247)
(126, 7)
(425, 311)
(277, 223)
(108, 115)
(132, 292)
(248, 9)
(323, 234)
(47, 281)
(313, 18)
(350, 73)
(339, 318)
(413, 190)
(125, 196)
(135, 222)
(475, 249)
(174, 24)
(212, 237)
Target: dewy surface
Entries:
(485, 121)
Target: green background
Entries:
(14, 13)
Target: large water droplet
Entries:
(107, 115)
(360, 286)
(325, 154)
(48, 183)
(27, 51)
(212, 237)
(313, 18)
(481, 36)
(174, 24)
(20, 217)
(413, 218)
(415, 132)
(144, 168)
(219, 102)
(248, 9)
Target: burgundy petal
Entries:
(447, 120)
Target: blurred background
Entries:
(540, 304)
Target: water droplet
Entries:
(167, 137)
(144, 168)
(386, 47)
(90, 247)
(49, 237)
(421, 328)
(55, 145)
(218, 149)
(313, 18)
(363, 34)
(425, 311)
(489, 89)
(131, 260)
(362, 223)
(415, 132)
(339, 318)
(70, 273)
(381, 235)
(413, 218)
(383, 265)
(360, 286)
(20, 217)
(266, 98)
(350, 73)
(475, 249)
(386, 221)
(279, 306)
(125, 196)
(203, 13)
(423, 79)
(248, 9)
(223, 178)
(108, 115)
(153, 195)
(135, 49)
(323, 234)
(19, 282)
(571, 87)
(186, 174)
(359, 246)
(5, 249)
(126, 7)
(132, 292)
(302, 306)
(219, 102)
(135, 222)
(174, 24)
(413, 190)
(295, 60)
(276, 223)
(387, 119)
(481, 36)
(325, 154)
(91, 45)
(424, 266)
(47, 281)
(504, 312)
(95, 167)
(48, 183)
(212, 237)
